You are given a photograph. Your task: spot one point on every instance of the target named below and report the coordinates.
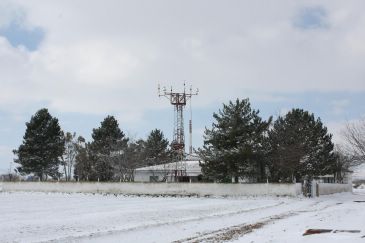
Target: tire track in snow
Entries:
(237, 231)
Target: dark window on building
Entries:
(153, 178)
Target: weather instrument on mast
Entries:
(179, 101)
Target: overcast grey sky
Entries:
(86, 59)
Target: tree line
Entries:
(111, 155)
(240, 145)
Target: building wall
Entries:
(145, 176)
(142, 176)
(200, 189)
(330, 188)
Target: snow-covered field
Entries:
(60, 217)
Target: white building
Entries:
(185, 171)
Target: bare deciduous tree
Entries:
(125, 159)
(71, 149)
(354, 135)
(343, 163)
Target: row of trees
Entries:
(241, 145)
(47, 151)
(113, 156)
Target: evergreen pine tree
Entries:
(108, 141)
(233, 148)
(156, 148)
(299, 145)
(42, 147)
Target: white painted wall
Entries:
(144, 176)
(201, 189)
(330, 188)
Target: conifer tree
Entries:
(108, 141)
(42, 147)
(299, 145)
(156, 148)
(233, 148)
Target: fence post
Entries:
(317, 189)
(314, 187)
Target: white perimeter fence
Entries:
(330, 188)
(199, 189)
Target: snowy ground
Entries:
(58, 217)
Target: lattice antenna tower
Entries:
(179, 100)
